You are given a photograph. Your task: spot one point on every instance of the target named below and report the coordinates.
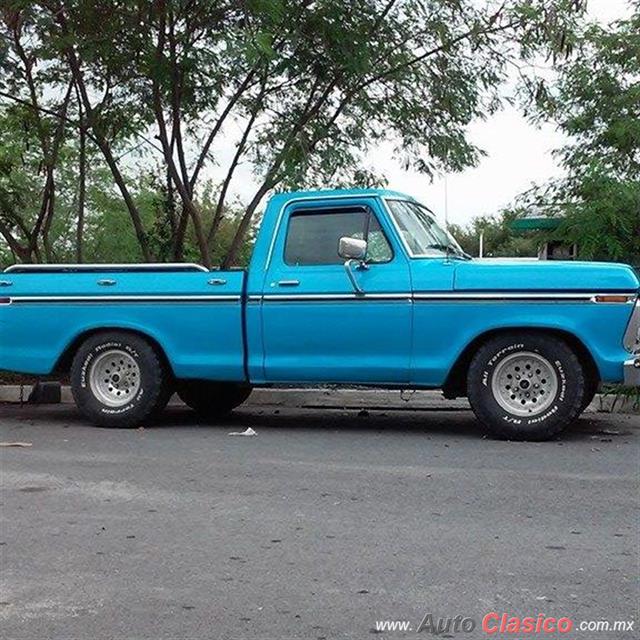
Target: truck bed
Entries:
(195, 314)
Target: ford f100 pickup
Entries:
(355, 287)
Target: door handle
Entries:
(6, 283)
(288, 283)
(216, 281)
(106, 282)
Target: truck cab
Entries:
(298, 279)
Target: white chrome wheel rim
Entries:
(524, 384)
(114, 378)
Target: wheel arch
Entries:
(63, 364)
(456, 382)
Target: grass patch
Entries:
(9, 378)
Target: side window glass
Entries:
(378, 247)
(312, 237)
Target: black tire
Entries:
(212, 400)
(497, 404)
(592, 386)
(148, 397)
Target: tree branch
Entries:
(218, 125)
(234, 163)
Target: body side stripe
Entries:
(497, 296)
(120, 299)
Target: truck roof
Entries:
(283, 198)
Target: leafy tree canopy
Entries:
(596, 103)
(297, 90)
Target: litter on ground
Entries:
(247, 432)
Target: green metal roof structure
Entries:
(535, 224)
(536, 220)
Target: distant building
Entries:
(537, 220)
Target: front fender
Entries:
(444, 331)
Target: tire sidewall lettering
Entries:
(562, 381)
(86, 368)
(490, 365)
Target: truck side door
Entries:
(315, 326)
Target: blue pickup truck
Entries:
(356, 287)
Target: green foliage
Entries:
(604, 218)
(498, 239)
(596, 103)
(107, 233)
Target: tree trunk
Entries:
(241, 231)
(180, 177)
(46, 228)
(101, 141)
(181, 230)
(23, 254)
(217, 217)
(82, 177)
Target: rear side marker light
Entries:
(613, 299)
(5, 300)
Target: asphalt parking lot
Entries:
(324, 524)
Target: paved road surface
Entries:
(323, 524)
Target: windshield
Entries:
(420, 231)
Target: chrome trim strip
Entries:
(438, 297)
(292, 297)
(133, 299)
(328, 297)
(507, 295)
(145, 266)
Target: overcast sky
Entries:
(518, 154)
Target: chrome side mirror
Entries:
(352, 248)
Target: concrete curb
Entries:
(346, 399)
(303, 398)
(355, 399)
(607, 403)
